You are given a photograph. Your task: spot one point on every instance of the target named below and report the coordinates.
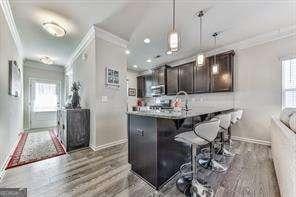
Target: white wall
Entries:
(258, 86)
(37, 70)
(11, 113)
(132, 83)
(84, 71)
(111, 118)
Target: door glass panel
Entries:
(46, 97)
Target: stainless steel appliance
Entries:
(158, 90)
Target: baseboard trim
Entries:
(2, 173)
(251, 140)
(96, 148)
(2, 170)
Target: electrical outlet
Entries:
(104, 99)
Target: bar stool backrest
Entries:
(233, 117)
(225, 120)
(239, 114)
(207, 130)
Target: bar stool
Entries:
(235, 116)
(209, 162)
(204, 133)
(225, 122)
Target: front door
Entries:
(45, 98)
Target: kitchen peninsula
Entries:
(153, 153)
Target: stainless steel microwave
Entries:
(158, 90)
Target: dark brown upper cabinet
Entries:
(159, 75)
(223, 81)
(202, 78)
(148, 84)
(141, 87)
(186, 77)
(172, 80)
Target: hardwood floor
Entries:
(106, 173)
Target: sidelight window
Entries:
(289, 83)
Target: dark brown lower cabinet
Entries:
(153, 152)
(73, 128)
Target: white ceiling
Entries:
(135, 20)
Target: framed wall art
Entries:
(14, 79)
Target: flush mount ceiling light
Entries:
(46, 60)
(127, 52)
(54, 29)
(215, 66)
(146, 40)
(200, 58)
(174, 37)
(149, 60)
(169, 52)
(135, 66)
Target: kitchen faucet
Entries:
(186, 98)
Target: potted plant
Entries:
(75, 96)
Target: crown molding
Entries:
(257, 40)
(28, 63)
(11, 24)
(109, 37)
(247, 43)
(86, 40)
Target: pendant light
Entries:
(215, 66)
(174, 38)
(200, 59)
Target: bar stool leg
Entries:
(197, 189)
(223, 150)
(229, 137)
(210, 163)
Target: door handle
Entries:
(140, 132)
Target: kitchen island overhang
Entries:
(153, 153)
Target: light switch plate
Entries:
(104, 99)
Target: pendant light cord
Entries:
(215, 36)
(174, 10)
(200, 34)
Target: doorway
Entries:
(44, 101)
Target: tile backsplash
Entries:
(200, 100)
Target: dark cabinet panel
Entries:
(202, 78)
(172, 80)
(223, 81)
(144, 84)
(142, 147)
(148, 84)
(74, 128)
(141, 86)
(186, 78)
(159, 76)
(78, 123)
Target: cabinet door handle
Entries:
(140, 132)
(63, 127)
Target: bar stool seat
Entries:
(190, 138)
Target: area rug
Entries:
(35, 146)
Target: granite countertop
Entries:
(180, 115)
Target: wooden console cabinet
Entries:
(73, 128)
